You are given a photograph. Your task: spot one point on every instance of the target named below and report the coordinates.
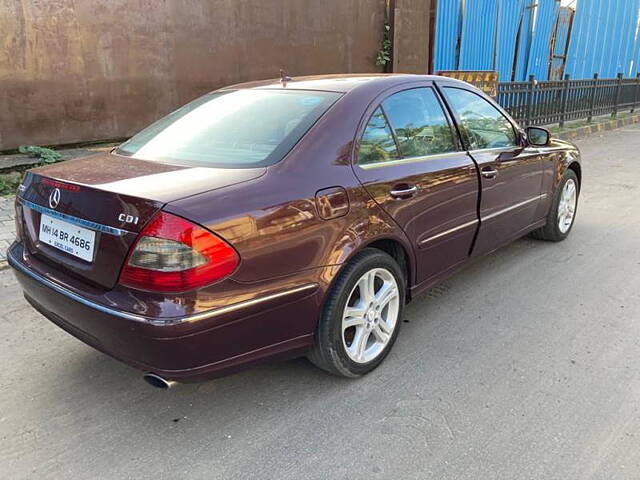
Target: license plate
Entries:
(67, 237)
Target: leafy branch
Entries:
(384, 54)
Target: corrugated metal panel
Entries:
(634, 64)
(448, 24)
(524, 44)
(563, 24)
(477, 42)
(575, 53)
(623, 59)
(603, 39)
(488, 34)
(608, 53)
(562, 30)
(595, 47)
(630, 22)
(577, 61)
(509, 15)
(621, 36)
(540, 54)
(610, 58)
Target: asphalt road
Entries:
(523, 366)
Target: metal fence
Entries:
(559, 101)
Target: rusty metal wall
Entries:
(412, 36)
(76, 71)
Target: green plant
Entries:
(45, 154)
(384, 54)
(9, 183)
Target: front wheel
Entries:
(563, 210)
(361, 317)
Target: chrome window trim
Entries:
(404, 161)
(496, 149)
(141, 318)
(74, 220)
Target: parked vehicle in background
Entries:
(276, 219)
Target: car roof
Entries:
(342, 83)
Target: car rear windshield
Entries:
(231, 129)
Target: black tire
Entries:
(328, 351)
(551, 231)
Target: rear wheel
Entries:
(562, 212)
(361, 317)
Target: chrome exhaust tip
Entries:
(157, 381)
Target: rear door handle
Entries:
(489, 172)
(403, 191)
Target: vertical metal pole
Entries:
(635, 94)
(532, 82)
(618, 92)
(565, 95)
(594, 88)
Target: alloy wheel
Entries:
(567, 206)
(370, 315)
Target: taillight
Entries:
(174, 255)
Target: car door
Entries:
(511, 173)
(411, 162)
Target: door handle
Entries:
(403, 191)
(489, 172)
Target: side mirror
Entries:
(538, 137)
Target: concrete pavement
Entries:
(523, 366)
(7, 225)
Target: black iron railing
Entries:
(559, 101)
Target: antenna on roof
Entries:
(284, 78)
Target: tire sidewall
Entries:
(369, 259)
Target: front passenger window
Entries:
(482, 123)
(419, 123)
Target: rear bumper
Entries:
(192, 348)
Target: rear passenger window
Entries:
(420, 125)
(377, 143)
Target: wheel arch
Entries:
(577, 169)
(397, 248)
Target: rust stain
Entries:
(73, 71)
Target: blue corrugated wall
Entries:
(501, 34)
(449, 21)
(540, 52)
(477, 43)
(526, 34)
(507, 36)
(563, 24)
(484, 25)
(604, 39)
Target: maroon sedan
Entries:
(277, 219)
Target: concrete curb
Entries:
(587, 130)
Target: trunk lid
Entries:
(111, 196)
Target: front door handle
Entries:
(403, 191)
(489, 172)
